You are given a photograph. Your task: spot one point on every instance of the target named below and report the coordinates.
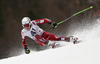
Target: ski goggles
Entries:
(26, 25)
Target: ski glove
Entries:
(53, 24)
(27, 51)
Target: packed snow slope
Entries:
(85, 52)
(82, 53)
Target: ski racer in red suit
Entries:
(33, 31)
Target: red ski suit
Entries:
(43, 36)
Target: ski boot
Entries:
(54, 45)
(73, 39)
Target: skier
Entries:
(33, 31)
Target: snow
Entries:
(82, 53)
(85, 52)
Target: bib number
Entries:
(33, 33)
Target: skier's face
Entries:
(27, 28)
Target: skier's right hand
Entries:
(53, 24)
(27, 51)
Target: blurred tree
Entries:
(1, 20)
(34, 12)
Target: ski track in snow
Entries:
(85, 52)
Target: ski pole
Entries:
(75, 14)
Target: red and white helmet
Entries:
(26, 22)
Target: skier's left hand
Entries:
(53, 24)
(27, 51)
